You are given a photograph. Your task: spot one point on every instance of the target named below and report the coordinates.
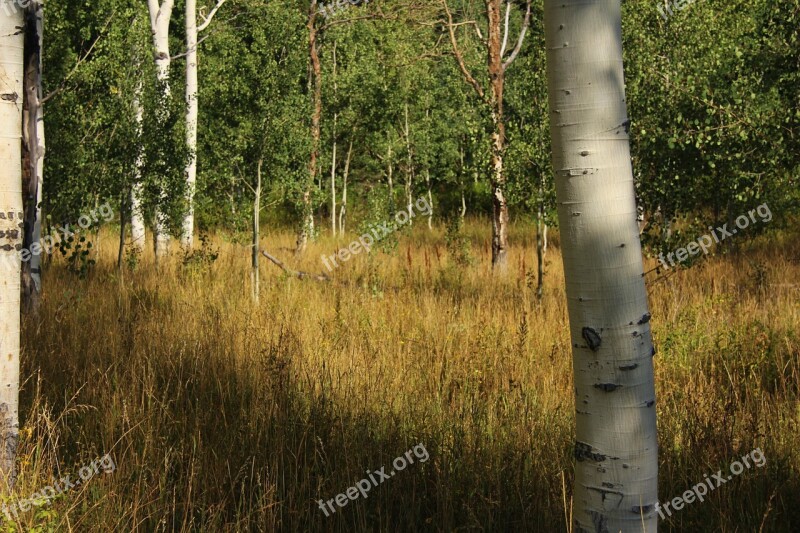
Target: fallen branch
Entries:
(295, 273)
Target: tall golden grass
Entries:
(226, 416)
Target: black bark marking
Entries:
(10, 97)
(584, 452)
(599, 522)
(650, 403)
(592, 339)
(607, 387)
(633, 366)
(643, 510)
(645, 319)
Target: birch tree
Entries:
(496, 46)
(616, 450)
(192, 111)
(160, 15)
(33, 150)
(11, 91)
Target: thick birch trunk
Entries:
(192, 111)
(616, 472)
(34, 147)
(11, 95)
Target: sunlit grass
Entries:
(225, 416)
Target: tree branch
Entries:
(207, 20)
(459, 58)
(522, 33)
(295, 273)
(505, 33)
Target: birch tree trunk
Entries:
(333, 155)
(390, 178)
(496, 69)
(430, 198)
(192, 111)
(33, 150)
(307, 229)
(159, 24)
(11, 94)
(410, 163)
(254, 273)
(343, 209)
(138, 236)
(616, 450)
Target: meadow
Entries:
(223, 415)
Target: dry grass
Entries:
(223, 416)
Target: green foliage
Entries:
(200, 259)
(77, 254)
(458, 244)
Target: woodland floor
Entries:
(225, 416)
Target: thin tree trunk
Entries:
(496, 86)
(541, 231)
(343, 210)
(33, 149)
(333, 155)
(391, 181)
(254, 273)
(616, 449)
(461, 185)
(138, 236)
(410, 167)
(122, 223)
(192, 112)
(159, 24)
(430, 197)
(11, 90)
(307, 229)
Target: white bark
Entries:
(11, 216)
(137, 214)
(192, 111)
(333, 155)
(254, 273)
(159, 25)
(616, 449)
(34, 142)
(410, 163)
(343, 209)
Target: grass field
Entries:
(225, 416)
